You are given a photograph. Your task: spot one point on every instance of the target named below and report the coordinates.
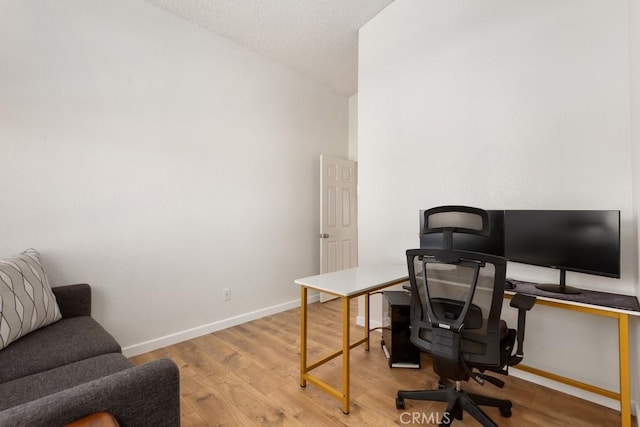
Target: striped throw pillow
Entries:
(26, 300)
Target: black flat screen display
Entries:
(581, 241)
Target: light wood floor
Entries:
(248, 375)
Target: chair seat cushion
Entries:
(66, 341)
(32, 387)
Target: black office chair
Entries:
(456, 300)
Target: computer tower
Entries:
(396, 344)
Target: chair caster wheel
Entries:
(399, 403)
(505, 412)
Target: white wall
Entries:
(158, 162)
(634, 56)
(503, 105)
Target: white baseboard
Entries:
(154, 344)
(372, 323)
(637, 413)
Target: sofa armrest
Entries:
(73, 300)
(146, 395)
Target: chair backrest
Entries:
(456, 296)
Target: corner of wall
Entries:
(353, 127)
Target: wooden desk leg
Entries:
(346, 341)
(303, 335)
(625, 388)
(367, 328)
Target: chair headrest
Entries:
(456, 219)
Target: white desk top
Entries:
(578, 304)
(356, 280)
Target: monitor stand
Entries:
(562, 288)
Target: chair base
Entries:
(458, 401)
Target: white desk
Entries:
(345, 284)
(348, 284)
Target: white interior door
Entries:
(338, 215)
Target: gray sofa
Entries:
(73, 368)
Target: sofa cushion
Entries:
(66, 341)
(32, 387)
(26, 300)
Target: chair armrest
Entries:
(147, 395)
(73, 300)
(523, 303)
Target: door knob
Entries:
(323, 235)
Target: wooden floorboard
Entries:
(248, 375)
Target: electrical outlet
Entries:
(226, 294)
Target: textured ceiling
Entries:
(318, 38)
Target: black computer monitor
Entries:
(585, 241)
